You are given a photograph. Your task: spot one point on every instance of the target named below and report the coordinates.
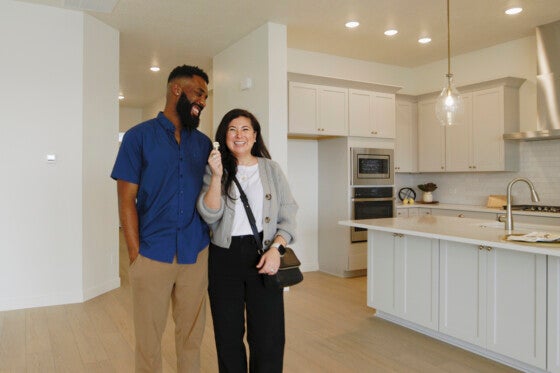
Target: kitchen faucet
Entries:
(534, 198)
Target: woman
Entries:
(236, 271)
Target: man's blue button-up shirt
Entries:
(169, 178)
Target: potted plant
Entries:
(427, 188)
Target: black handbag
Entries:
(288, 273)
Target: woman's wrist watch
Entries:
(281, 249)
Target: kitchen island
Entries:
(460, 280)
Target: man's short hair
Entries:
(188, 72)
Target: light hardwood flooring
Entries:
(329, 329)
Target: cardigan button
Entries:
(268, 196)
(267, 220)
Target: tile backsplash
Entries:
(539, 162)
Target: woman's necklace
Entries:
(246, 172)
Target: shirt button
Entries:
(267, 242)
(181, 211)
(267, 220)
(180, 192)
(268, 196)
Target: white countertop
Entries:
(473, 231)
(452, 206)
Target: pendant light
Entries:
(449, 105)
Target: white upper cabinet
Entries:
(431, 138)
(476, 143)
(406, 140)
(317, 110)
(372, 114)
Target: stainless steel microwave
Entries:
(372, 166)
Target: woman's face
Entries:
(240, 137)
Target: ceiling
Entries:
(168, 33)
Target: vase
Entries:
(427, 197)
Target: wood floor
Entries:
(329, 329)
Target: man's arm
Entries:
(129, 216)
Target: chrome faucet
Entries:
(534, 198)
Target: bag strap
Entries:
(250, 215)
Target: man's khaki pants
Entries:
(154, 284)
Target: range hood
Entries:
(548, 86)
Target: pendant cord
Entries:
(448, 43)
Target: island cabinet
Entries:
(317, 110)
(553, 326)
(495, 299)
(476, 143)
(402, 277)
(371, 114)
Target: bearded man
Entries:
(159, 171)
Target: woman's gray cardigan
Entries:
(279, 207)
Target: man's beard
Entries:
(184, 110)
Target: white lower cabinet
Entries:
(495, 299)
(402, 276)
(553, 326)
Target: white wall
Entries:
(260, 56)
(42, 240)
(100, 223)
(129, 117)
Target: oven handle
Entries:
(371, 199)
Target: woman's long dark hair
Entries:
(229, 161)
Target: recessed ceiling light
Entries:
(515, 10)
(352, 24)
(154, 68)
(424, 40)
(121, 97)
(391, 32)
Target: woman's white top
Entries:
(250, 181)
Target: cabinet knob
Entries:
(461, 215)
(480, 247)
(442, 167)
(488, 248)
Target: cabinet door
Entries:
(333, 111)
(417, 279)
(406, 139)
(431, 139)
(371, 114)
(516, 305)
(488, 130)
(462, 312)
(360, 113)
(553, 327)
(458, 140)
(383, 115)
(303, 108)
(381, 271)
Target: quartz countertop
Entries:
(472, 231)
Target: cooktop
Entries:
(536, 208)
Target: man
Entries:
(159, 170)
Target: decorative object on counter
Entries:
(449, 105)
(407, 194)
(427, 188)
(496, 200)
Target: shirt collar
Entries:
(165, 123)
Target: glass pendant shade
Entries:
(449, 105)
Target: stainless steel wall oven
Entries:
(370, 203)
